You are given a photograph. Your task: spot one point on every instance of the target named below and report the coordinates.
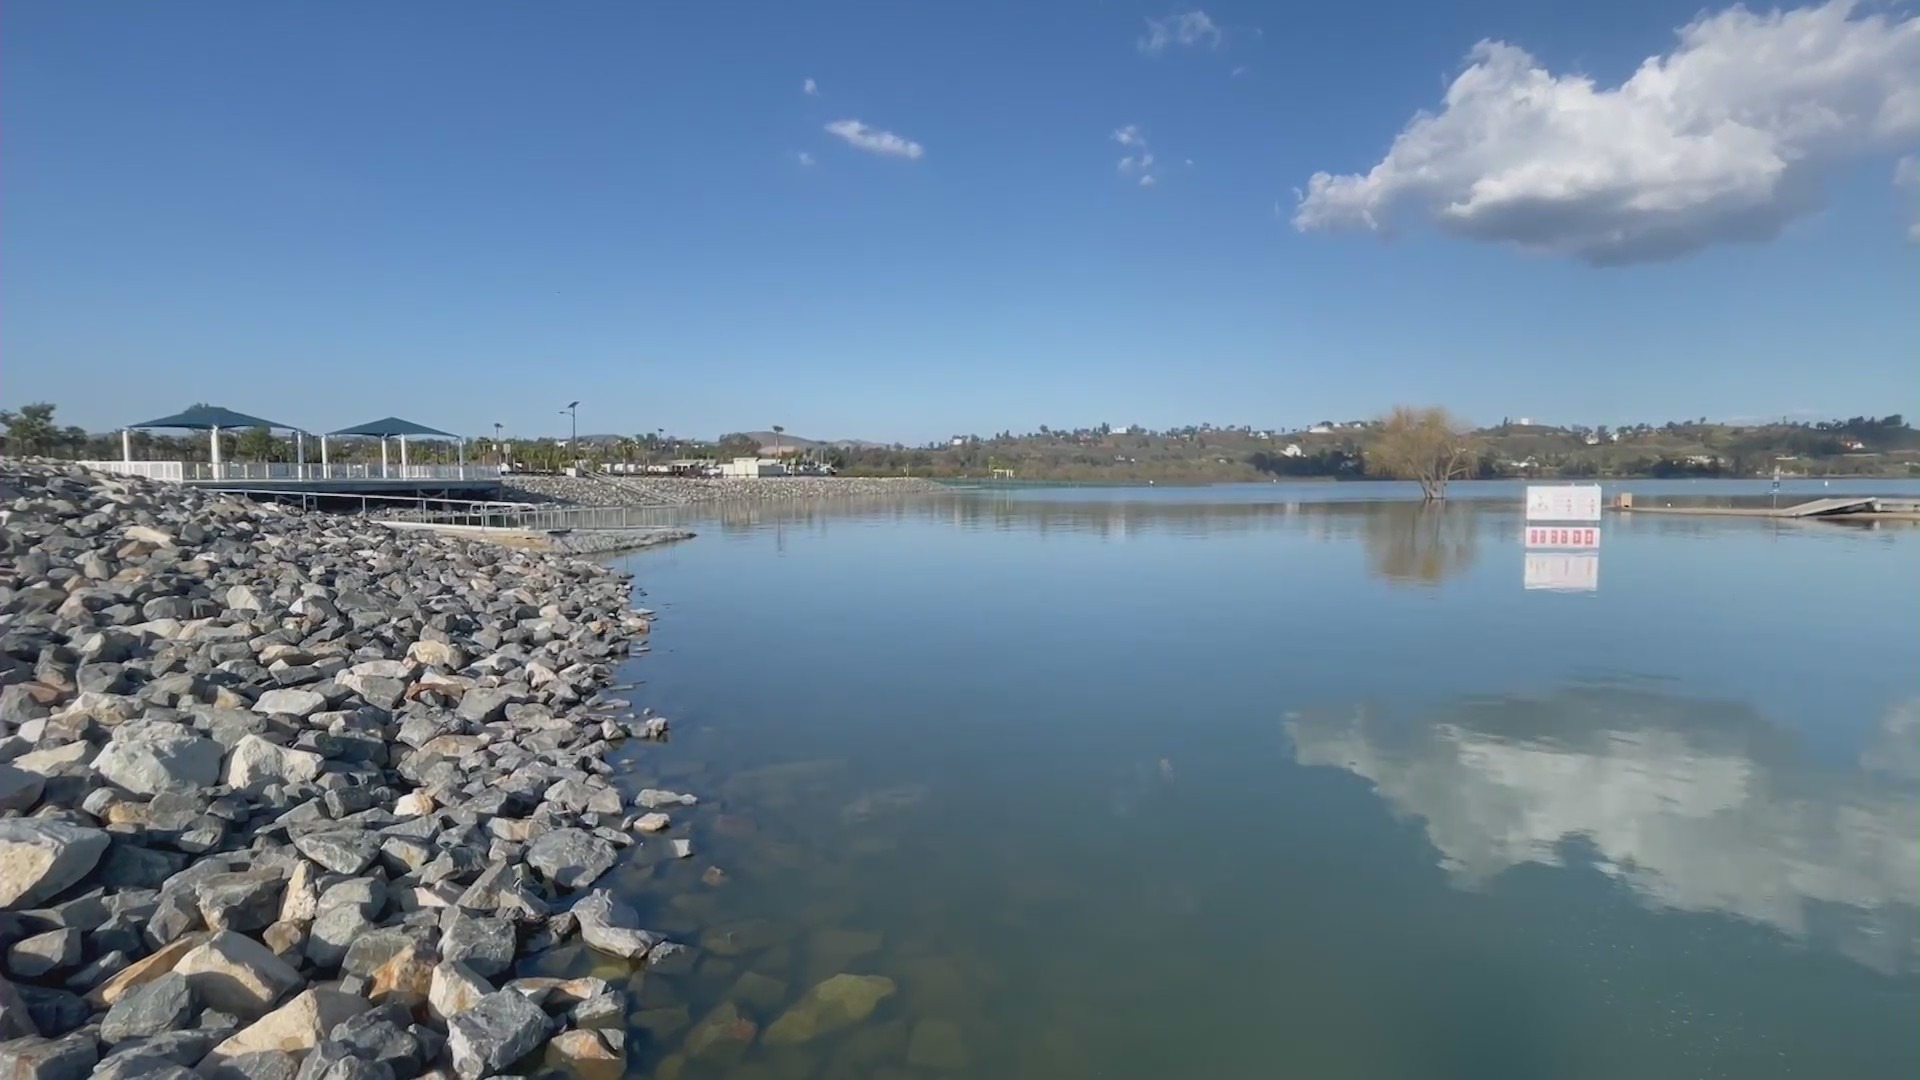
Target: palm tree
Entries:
(777, 432)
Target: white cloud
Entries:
(810, 88)
(875, 141)
(1726, 138)
(1191, 28)
(1140, 163)
(1690, 805)
(803, 158)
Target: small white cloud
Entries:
(804, 158)
(875, 141)
(1140, 163)
(810, 88)
(1726, 138)
(1189, 163)
(1237, 72)
(1191, 28)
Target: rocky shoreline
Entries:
(292, 795)
(603, 490)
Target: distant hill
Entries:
(768, 440)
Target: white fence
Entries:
(180, 471)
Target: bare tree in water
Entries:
(1423, 444)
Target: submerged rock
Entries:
(835, 1003)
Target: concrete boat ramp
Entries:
(1852, 508)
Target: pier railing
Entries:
(200, 471)
(525, 517)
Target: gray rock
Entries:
(234, 973)
(382, 1035)
(570, 858)
(498, 1031)
(40, 857)
(15, 1018)
(256, 762)
(165, 1004)
(486, 704)
(290, 701)
(19, 789)
(366, 894)
(33, 957)
(612, 927)
(367, 952)
(341, 851)
(160, 757)
(243, 900)
(257, 1065)
(332, 934)
(485, 945)
(70, 1057)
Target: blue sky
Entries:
(469, 213)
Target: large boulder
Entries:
(612, 927)
(39, 858)
(19, 789)
(290, 701)
(233, 973)
(297, 1026)
(160, 757)
(570, 858)
(70, 1057)
(500, 1029)
(255, 761)
(165, 1004)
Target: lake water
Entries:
(1287, 781)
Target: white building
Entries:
(1292, 450)
(752, 468)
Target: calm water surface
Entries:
(1285, 781)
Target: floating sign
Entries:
(1563, 536)
(1563, 502)
(1562, 571)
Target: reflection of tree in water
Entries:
(1694, 805)
(1418, 543)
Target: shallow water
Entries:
(1282, 780)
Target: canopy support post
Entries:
(213, 435)
(403, 456)
(126, 446)
(383, 457)
(323, 457)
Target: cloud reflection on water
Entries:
(1695, 806)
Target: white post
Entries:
(403, 455)
(383, 457)
(300, 454)
(214, 435)
(460, 454)
(126, 445)
(323, 457)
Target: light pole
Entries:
(573, 440)
(497, 458)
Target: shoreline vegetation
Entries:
(290, 792)
(1514, 448)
